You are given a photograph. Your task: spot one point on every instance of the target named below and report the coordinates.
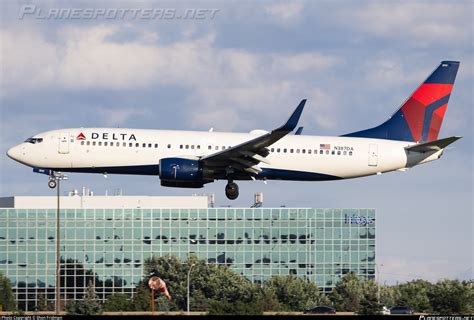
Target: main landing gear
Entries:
(232, 190)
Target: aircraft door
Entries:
(373, 155)
(63, 143)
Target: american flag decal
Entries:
(324, 146)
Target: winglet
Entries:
(292, 122)
(299, 131)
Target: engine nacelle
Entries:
(180, 169)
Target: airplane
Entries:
(191, 159)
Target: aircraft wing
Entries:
(247, 155)
(435, 145)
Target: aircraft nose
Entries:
(14, 152)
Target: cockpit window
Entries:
(34, 140)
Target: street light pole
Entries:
(58, 254)
(58, 177)
(189, 273)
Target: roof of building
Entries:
(98, 202)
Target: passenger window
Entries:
(333, 152)
(100, 143)
(149, 145)
(187, 146)
(321, 151)
(309, 151)
(350, 153)
(144, 145)
(117, 144)
(169, 146)
(199, 146)
(339, 153)
(278, 150)
(192, 146)
(124, 144)
(93, 143)
(284, 150)
(297, 150)
(272, 149)
(137, 145)
(223, 147)
(209, 147)
(156, 145)
(82, 142)
(345, 153)
(291, 150)
(217, 147)
(130, 144)
(181, 146)
(88, 143)
(327, 151)
(105, 144)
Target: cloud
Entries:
(283, 11)
(116, 117)
(421, 23)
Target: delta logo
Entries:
(81, 136)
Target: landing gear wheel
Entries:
(52, 183)
(232, 191)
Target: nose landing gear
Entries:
(232, 190)
(52, 183)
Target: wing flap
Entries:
(252, 152)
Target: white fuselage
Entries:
(138, 151)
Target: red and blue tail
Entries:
(420, 117)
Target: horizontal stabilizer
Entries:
(435, 145)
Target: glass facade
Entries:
(109, 246)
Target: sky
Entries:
(244, 65)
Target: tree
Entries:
(348, 293)
(452, 297)
(296, 294)
(389, 295)
(7, 301)
(369, 304)
(118, 302)
(415, 295)
(89, 306)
